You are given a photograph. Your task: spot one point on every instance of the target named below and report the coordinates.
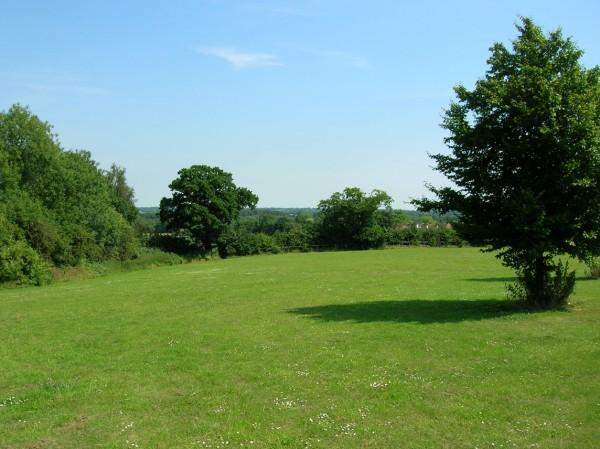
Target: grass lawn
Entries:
(406, 348)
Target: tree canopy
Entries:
(525, 160)
(55, 205)
(353, 219)
(204, 202)
(122, 195)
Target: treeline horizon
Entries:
(411, 214)
(60, 209)
(348, 220)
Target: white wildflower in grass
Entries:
(346, 430)
(286, 402)
(218, 409)
(323, 420)
(218, 443)
(379, 385)
(126, 426)
(10, 401)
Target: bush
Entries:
(180, 242)
(593, 268)
(146, 258)
(21, 265)
(298, 238)
(127, 246)
(559, 283)
(436, 235)
(238, 242)
(82, 245)
(151, 257)
(45, 238)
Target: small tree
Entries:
(353, 220)
(525, 161)
(204, 202)
(122, 195)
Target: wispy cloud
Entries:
(241, 60)
(339, 56)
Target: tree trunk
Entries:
(540, 279)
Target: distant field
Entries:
(407, 348)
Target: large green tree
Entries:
(57, 202)
(525, 161)
(204, 202)
(353, 219)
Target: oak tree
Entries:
(204, 202)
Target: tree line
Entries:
(348, 220)
(59, 209)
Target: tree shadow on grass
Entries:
(504, 279)
(514, 279)
(413, 311)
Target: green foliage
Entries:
(148, 221)
(299, 237)
(297, 230)
(19, 263)
(204, 202)
(353, 220)
(178, 242)
(433, 234)
(122, 195)
(240, 242)
(145, 258)
(550, 292)
(292, 229)
(525, 157)
(64, 207)
(593, 267)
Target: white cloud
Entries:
(241, 60)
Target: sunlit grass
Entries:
(407, 348)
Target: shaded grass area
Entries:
(380, 349)
(413, 311)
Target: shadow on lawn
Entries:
(507, 279)
(514, 279)
(413, 311)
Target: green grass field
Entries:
(406, 348)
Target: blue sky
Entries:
(297, 99)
